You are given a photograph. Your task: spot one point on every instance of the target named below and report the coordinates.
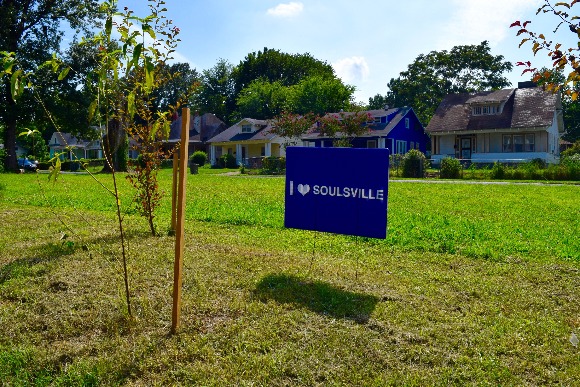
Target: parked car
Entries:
(27, 165)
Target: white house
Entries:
(509, 125)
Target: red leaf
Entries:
(526, 23)
(516, 23)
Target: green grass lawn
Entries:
(475, 284)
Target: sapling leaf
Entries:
(63, 73)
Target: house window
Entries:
(371, 143)
(507, 143)
(378, 120)
(263, 151)
(246, 128)
(530, 143)
(407, 123)
(412, 145)
(401, 147)
(519, 143)
(484, 110)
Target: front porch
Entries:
(245, 153)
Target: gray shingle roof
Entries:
(523, 108)
(233, 133)
(375, 129)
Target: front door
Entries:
(465, 143)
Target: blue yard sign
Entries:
(338, 190)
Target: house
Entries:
(70, 147)
(201, 129)
(509, 126)
(398, 129)
(247, 140)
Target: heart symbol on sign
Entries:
(303, 189)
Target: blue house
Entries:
(398, 129)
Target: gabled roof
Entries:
(201, 128)
(66, 140)
(375, 129)
(522, 109)
(233, 133)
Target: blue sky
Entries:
(368, 42)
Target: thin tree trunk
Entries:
(10, 163)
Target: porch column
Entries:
(212, 160)
(322, 143)
(382, 142)
(268, 149)
(238, 154)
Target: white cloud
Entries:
(286, 10)
(474, 21)
(353, 69)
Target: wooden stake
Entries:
(179, 233)
(174, 192)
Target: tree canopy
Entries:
(434, 75)
(269, 82)
(32, 31)
(276, 66)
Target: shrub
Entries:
(199, 158)
(498, 171)
(573, 150)
(273, 165)
(227, 161)
(450, 168)
(414, 163)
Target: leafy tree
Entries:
(30, 30)
(181, 80)
(570, 107)
(216, 92)
(432, 76)
(274, 66)
(292, 126)
(378, 102)
(344, 127)
(564, 59)
(319, 95)
(262, 99)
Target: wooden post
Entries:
(174, 192)
(179, 233)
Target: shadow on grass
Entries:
(25, 267)
(317, 296)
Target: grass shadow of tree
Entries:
(317, 296)
(25, 267)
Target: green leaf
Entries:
(92, 109)
(166, 129)
(137, 53)
(63, 73)
(108, 26)
(55, 170)
(28, 132)
(131, 105)
(16, 84)
(147, 28)
(154, 130)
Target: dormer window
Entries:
(484, 110)
(247, 128)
